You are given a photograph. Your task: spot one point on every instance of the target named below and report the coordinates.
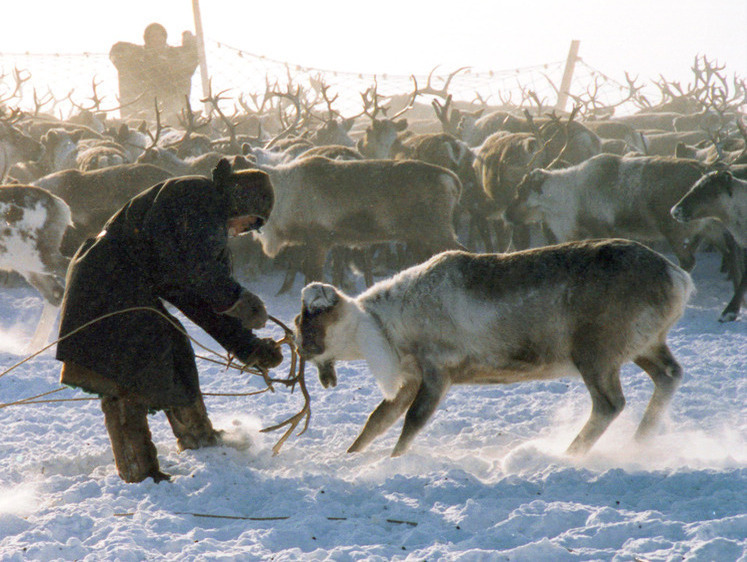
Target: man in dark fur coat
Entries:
(170, 243)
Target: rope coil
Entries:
(295, 374)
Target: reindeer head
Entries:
(524, 208)
(61, 148)
(381, 137)
(703, 198)
(334, 132)
(321, 312)
(19, 145)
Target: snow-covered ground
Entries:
(485, 480)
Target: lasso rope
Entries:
(109, 315)
(227, 361)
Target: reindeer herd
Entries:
(400, 181)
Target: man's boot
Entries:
(192, 427)
(134, 452)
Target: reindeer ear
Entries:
(726, 178)
(318, 297)
(222, 173)
(681, 151)
(242, 163)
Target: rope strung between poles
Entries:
(295, 373)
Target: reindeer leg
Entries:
(292, 258)
(666, 373)
(367, 264)
(483, 228)
(313, 263)
(731, 311)
(429, 395)
(503, 235)
(520, 237)
(384, 416)
(288, 280)
(607, 401)
(338, 259)
(43, 328)
(52, 291)
(683, 250)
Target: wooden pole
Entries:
(201, 54)
(565, 84)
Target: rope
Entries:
(33, 399)
(295, 375)
(227, 360)
(104, 317)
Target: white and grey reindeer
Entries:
(33, 223)
(580, 308)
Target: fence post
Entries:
(201, 54)
(565, 84)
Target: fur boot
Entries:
(134, 452)
(192, 427)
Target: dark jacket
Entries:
(170, 242)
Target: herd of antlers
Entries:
(295, 106)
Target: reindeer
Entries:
(665, 144)
(34, 222)
(505, 158)
(724, 148)
(579, 309)
(610, 195)
(721, 196)
(320, 203)
(445, 150)
(168, 160)
(15, 146)
(340, 256)
(59, 152)
(94, 196)
(500, 164)
(334, 132)
(662, 121)
(381, 137)
(613, 130)
(476, 131)
(729, 151)
(95, 155)
(334, 129)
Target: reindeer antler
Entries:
(295, 376)
(444, 91)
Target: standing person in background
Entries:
(117, 338)
(155, 70)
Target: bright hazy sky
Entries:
(646, 37)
